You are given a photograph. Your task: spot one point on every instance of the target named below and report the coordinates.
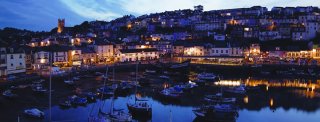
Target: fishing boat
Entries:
(200, 82)
(139, 107)
(9, 94)
(65, 103)
(39, 88)
(69, 82)
(117, 115)
(91, 96)
(38, 81)
(190, 85)
(217, 112)
(34, 112)
(104, 76)
(76, 100)
(181, 65)
(106, 90)
(148, 71)
(206, 76)
(125, 85)
(172, 92)
(218, 98)
(237, 90)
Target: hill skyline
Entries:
(41, 15)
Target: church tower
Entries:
(60, 25)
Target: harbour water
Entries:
(270, 99)
(287, 102)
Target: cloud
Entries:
(43, 14)
(94, 9)
(35, 14)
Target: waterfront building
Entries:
(15, 61)
(104, 50)
(89, 56)
(74, 57)
(28, 56)
(60, 56)
(41, 59)
(128, 55)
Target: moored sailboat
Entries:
(139, 107)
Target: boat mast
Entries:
(112, 100)
(50, 78)
(113, 75)
(104, 82)
(135, 93)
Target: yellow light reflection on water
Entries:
(246, 99)
(271, 102)
(165, 85)
(138, 95)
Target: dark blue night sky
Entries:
(41, 15)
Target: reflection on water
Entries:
(274, 99)
(271, 102)
(246, 99)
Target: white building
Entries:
(60, 57)
(16, 62)
(41, 59)
(104, 50)
(226, 51)
(126, 55)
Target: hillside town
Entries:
(241, 36)
(253, 64)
